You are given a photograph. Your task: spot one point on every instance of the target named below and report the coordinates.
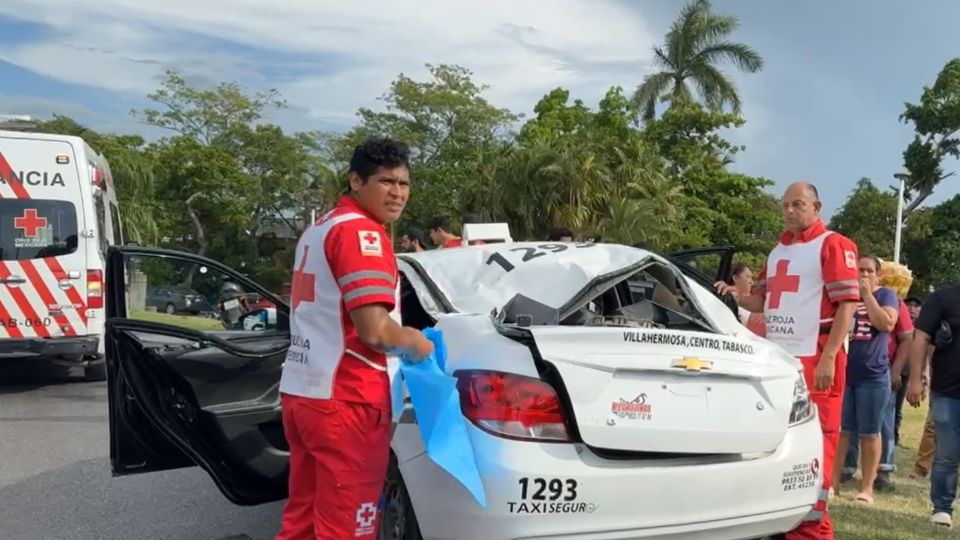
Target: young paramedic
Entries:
(335, 390)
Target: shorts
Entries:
(864, 405)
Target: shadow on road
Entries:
(83, 500)
(27, 375)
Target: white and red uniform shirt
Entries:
(344, 261)
(802, 281)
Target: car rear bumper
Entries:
(79, 347)
(618, 499)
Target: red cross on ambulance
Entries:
(30, 223)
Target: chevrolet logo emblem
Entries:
(695, 365)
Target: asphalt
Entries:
(56, 484)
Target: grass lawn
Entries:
(183, 321)
(902, 514)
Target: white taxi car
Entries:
(609, 394)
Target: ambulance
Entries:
(58, 217)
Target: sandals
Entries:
(864, 498)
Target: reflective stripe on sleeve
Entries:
(847, 283)
(844, 292)
(367, 291)
(365, 274)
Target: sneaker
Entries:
(883, 483)
(942, 519)
(845, 476)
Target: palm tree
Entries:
(695, 43)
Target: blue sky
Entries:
(824, 108)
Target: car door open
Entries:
(200, 388)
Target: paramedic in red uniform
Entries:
(808, 291)
(335, 391)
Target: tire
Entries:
(95, 371)
(398, 520)
(170, 309)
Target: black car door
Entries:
(707, 265)
(200, 389)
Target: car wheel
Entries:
(398, 521)
(171, 309)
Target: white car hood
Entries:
(474, 279)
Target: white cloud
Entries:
(43, 108)
(341, 55)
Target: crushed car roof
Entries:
(480, 278)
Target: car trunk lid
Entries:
(651, 390)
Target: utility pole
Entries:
(899, 230)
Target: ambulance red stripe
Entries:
(72, 293)
(24, 304)
(11, 330)
(34, 277)
(6, 171)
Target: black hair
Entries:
(415, 233)
(874, 258)
(735, 270)
(471, 218)
(378, 152)
(556, 233)
(439, 222)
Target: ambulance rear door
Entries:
(43, 235)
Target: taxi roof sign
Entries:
(487, 232)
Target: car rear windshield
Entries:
(36, 228)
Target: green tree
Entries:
(233, 187)
(207, 116)
(868, 217)
(452, 127)
(936, 121)
(132, 170)
(696, 43)
(932, 245)
(719, 206)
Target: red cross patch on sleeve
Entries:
(370, 244)
(850, 258)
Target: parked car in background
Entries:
(174, 299)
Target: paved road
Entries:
(55, 480)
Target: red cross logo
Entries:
(370, 238)
(302, 288)
(781, 282)
(30, 223)
(366, 515)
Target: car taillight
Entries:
(94, 289)
(512, 406)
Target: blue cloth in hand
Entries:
(436, 403)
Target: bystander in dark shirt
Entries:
(943, 305)
(868, 359)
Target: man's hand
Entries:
(422, 347)
(823, 374)
(915, 391)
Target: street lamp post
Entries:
(899, 230)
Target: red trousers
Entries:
(817, 526)
(339, 453)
